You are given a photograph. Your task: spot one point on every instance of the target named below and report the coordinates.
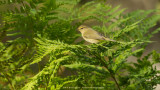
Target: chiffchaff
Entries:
(91, 35)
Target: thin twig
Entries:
(114, 78)
(111, 74)
(10, 83)
(39, 67)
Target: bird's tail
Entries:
(107, 39)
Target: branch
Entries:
(112, 75)
(6, 76)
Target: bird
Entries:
(91, 35)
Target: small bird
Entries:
(91, 35)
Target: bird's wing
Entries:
(93, 35)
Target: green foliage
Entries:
(45, 31)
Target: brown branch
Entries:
(114, 78)
(10, 83)
(111, 74)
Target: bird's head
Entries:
(82, 28)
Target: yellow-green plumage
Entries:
(91, 35)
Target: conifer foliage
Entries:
(45, 31)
